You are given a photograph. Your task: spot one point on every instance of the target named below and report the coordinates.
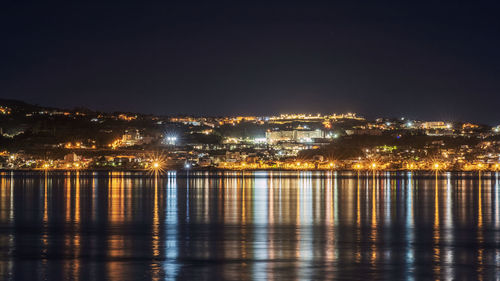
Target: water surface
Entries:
(259, 225)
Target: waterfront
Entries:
(256, 225)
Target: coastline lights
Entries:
(156, 167)
(157, 164)
(410, 166)
(436, 166)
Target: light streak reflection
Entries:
(251, 225)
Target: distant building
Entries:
(437, 128)
(131, 138)
(435, 125)
(294, 135)
(134, 137)
(71, 157)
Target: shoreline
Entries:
(254, 170)
(219, 173)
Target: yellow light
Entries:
(374, 165)
(157, 164)
(436, 166)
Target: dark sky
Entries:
(427, 60)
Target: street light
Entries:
(436, 168)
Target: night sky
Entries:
(426, 60)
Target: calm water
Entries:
(100, 226)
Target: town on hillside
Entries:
(36, 137)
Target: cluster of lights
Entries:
(171, 140)
(115, 144)
(373, 166)
(77, 145)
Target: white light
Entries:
(171, 140)
(259, 140)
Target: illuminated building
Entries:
(294, 135)
(435, 125)
(131, 138)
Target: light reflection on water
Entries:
(262, 225)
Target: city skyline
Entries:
(33, 137)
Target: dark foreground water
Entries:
(285, 226)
